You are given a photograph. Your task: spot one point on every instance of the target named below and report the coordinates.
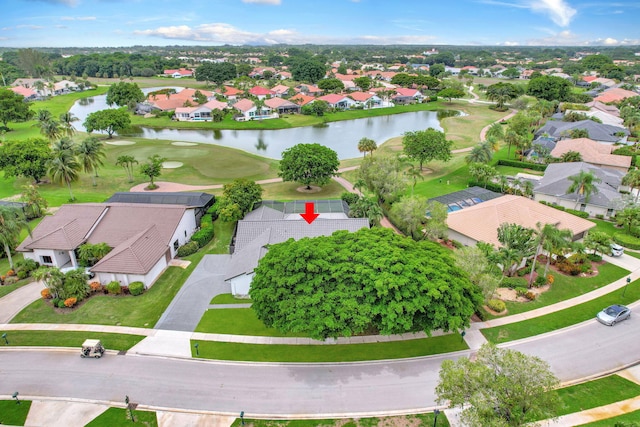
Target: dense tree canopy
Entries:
(502, 387)
(13, 107)
(216, 72)
(308, 164)
(383, 176)
(240, 196)
(331, 85)
(348, 283)
(550, 88)
(308, 70)
(124, 94)
(110, 121)
(426, 145)
(27, 158)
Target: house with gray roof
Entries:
(553, 186)
(144, 237)
(597, 131)
(277, 222)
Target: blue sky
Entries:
(60, 23)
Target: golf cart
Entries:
(92, 348)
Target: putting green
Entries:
(171, 165)
(120, 142)
(184, 144)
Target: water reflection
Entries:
(261, 146)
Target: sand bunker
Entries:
(171, 165)
(120, 142)
(184, 144)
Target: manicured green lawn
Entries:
(563, 318)
(237, 321)
(329, 353)
(120, 417)
(110, 341)
(289, 191)
(627, 420)
(12, 413)
(229, 299)
(565, 287)
(417, 420)
(605, 226)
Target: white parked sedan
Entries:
(613, 314)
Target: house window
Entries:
(609, 212)
(46, 259)
(176, 245)
(185, 233)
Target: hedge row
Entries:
(627, 241)
(489, 186)
(526, 165)
(581, 214)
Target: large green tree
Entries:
(308, 70)
(632, 179)
(501, 93)
(27, 158)
(152, 168)
(124, 94)
(501, 387)
(217, 73)
(309, 164)
(348, 283)
(382, 175)
(409, 213)
(12, 222)
(13, 107)
(424, 146)
(239, 198)
(110, 121)
(550, 88)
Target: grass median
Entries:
(120, 417)
(328, 353)
(14, 414)
(562, 319)
(110, 341)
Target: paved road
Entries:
(295, 389)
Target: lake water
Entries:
(342, 137)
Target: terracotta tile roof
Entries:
(403, 91)
(481, 222)
(615, 95)
(301, 99)
(214, 104)
(244, 105)
(280, 89)
(332, 98)
(21, 90)
(278, 102)
(229, 91)
(181, 71)
(259, 90)
(589, 79)
(347, 77)
(360, 96)
(592, 152)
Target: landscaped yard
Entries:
(329, 353)
(237, 321)
(110, 341)
(563, 318)
(12, 413)
(417, 420)
(120, 417)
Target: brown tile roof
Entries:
(481, 222)
(301, 99)
(136, 255)
(360, 96)
(66, 229)
(278, 102)
(615, 95)
(24, 91)
(244, 105)
(592, 152)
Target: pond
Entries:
(342, 137)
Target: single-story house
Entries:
(199, 113)
(615, 95)
(301, 99)
(605, 108)
(179, 73)
(599, 132)
(367, 100)
(406, 96)
(172, 101)
(229, 92)
(593, 152)
(553, 186)
(277, 222)
(261, 92)
(464, 225)
(604, 117)
(29, 94)
(338, 101)
(282, 91)
(312, 90)
(249, 111)
(143, 238)
(282, 106)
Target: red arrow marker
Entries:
(309, 215)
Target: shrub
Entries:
(124, 290)
(569, 268)
(577, 213)
(540, 281)
(599, 216)
(55, 301)
(114, 288)
(349, 198)
(515, 163)
(521, 292)
(60, 304)
(627, 241)
(497, 305)
(201, 237)
(22, 274)
(188, 249)
(95, 287)
(530, 296)
(522, 272)
(11, 273)
(45, 293)
(136, 288)
(513, 282)
(10, 280)
(550, 279)
(70, 302)
(594, 257)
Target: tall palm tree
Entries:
(480, 153)
(583, 184)
(66, 123)
(366, 145)
(64, 169)
(557, 241)
(632, 179)
(91, 156)
(511, 138)
(51, 129)
(414, 173)
(495, 131)
(12, 221)
(127, 163)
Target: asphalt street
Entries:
(274, 390)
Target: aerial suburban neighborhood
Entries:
(368, 218)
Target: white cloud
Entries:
(560, 12)
(65, 2)
(30, 27)
(273, 2)
(78, 18)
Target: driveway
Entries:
(625, 261)
(13, 303)
(191, 302)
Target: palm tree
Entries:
(127, 163)
(414, 173)
(367, 207)
(66, 122)
(571, 156)
(12, 221)
(91, 156)
(556, 241)
(481, 153)
(43, 115)
(52, 278)
(366, 145)
(63, 169)
(500, 95)
(51, 129)
(511, 138)
(632, 179)
(584, 185)
(548, 237)
(495, 131)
